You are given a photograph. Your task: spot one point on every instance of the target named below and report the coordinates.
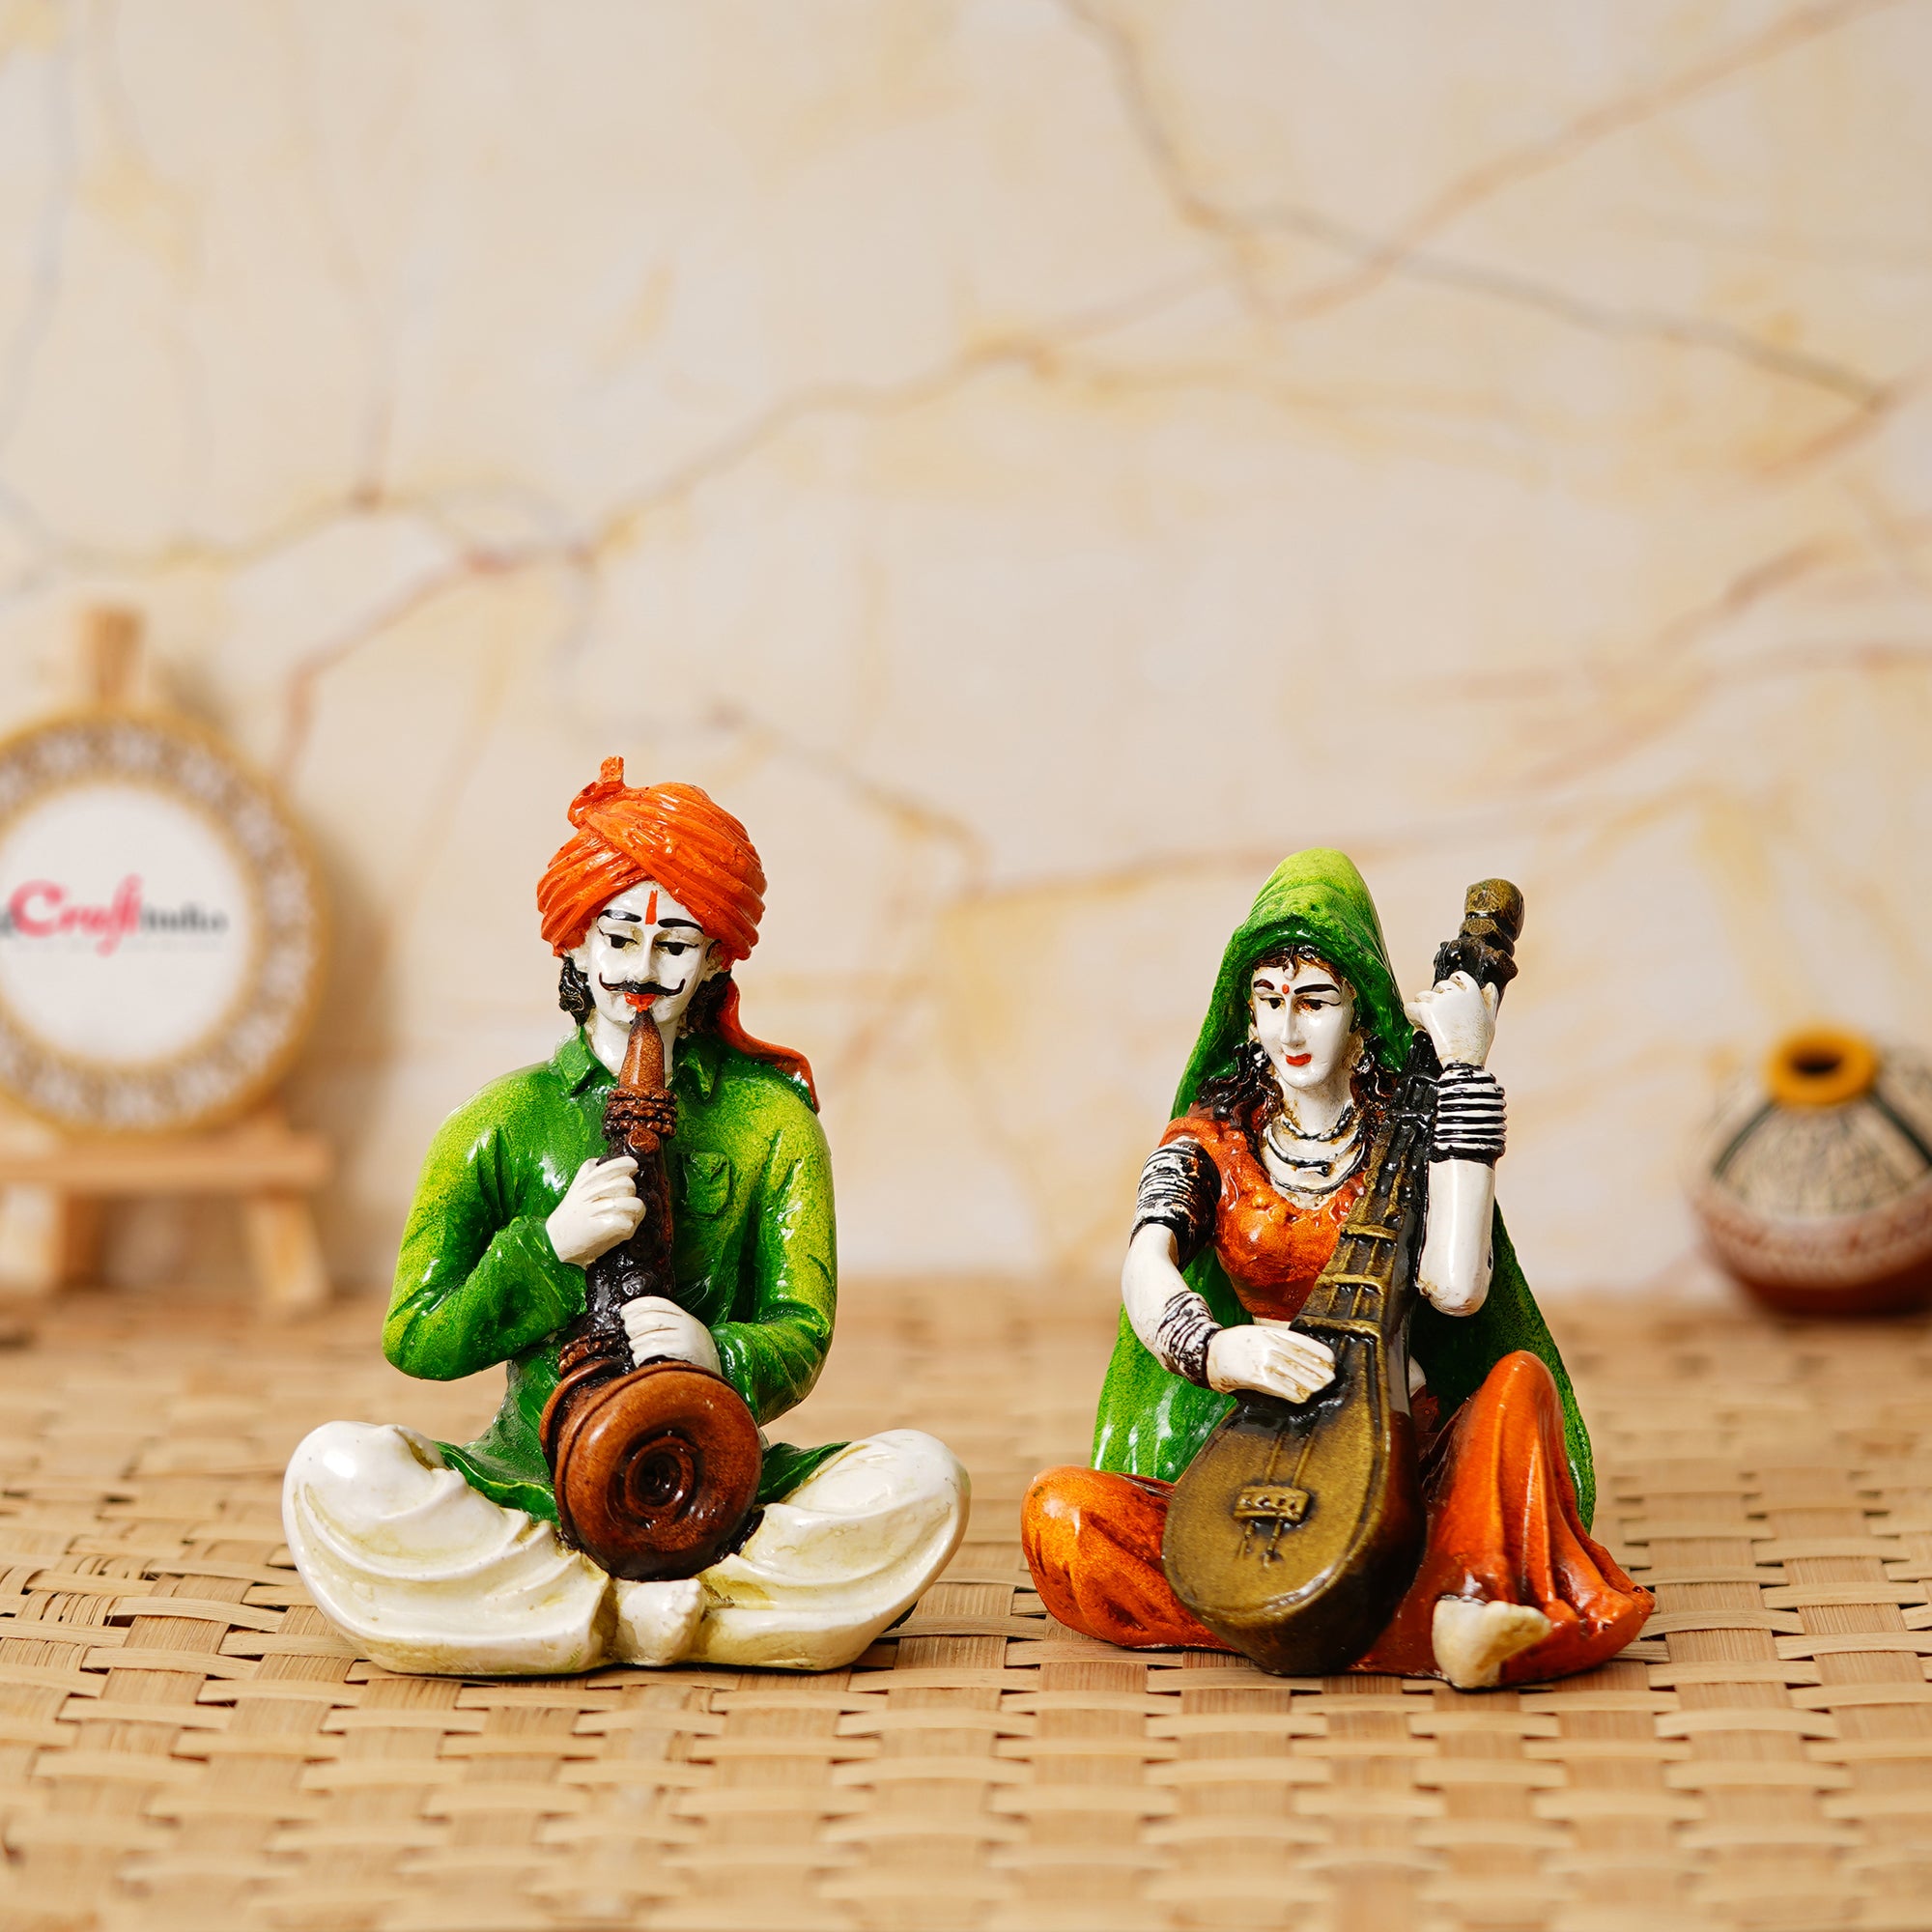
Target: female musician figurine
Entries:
(1283, 1114)
(602, 1277)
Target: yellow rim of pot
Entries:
(1821, 1066)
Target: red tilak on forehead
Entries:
(651, 910)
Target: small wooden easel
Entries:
(57, 1185)
(52, 1226)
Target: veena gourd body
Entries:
(1336, 1430)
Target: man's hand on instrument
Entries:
(1458, 1016)
(658, 1328)
(1276, 1361)
(600, 1209)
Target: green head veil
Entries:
(1151, 1423)
(1316, 899)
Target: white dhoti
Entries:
(423, 1573)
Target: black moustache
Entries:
(631, 988)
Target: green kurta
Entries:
(478, 1283)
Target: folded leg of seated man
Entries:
(838, 1559)
(425, 1574)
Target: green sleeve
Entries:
(476, 1283)
(773, 1359)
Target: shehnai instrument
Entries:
(1296, 1531)
(656, 1467)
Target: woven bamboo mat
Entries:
(183, 1742)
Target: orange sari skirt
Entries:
(1502, 1528)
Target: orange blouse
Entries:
(1274, 1252)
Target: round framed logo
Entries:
(160, 926)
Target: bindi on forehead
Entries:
(645, 903)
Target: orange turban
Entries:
(676, 837)
(670, 834)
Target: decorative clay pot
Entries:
(1815, 1186)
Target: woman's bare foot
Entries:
(1474, 1641)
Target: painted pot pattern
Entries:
(1814, 1184)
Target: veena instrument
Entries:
(1298, 1526)
(655, 1466)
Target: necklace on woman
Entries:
(1344, 1123)
(1313, 1164)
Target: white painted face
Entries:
(646, 941)
(1305, 1020)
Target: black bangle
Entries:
(1179, 1189)
(1182, 1336)
(1469, 1116)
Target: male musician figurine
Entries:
(433, 1557)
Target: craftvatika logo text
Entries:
(43, 909)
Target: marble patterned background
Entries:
(1036, 461)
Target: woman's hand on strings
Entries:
(1275, 1361)
(599, 1210)
(1458, 1016)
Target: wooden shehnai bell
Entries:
(1295, 1532)
(656, 1467)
